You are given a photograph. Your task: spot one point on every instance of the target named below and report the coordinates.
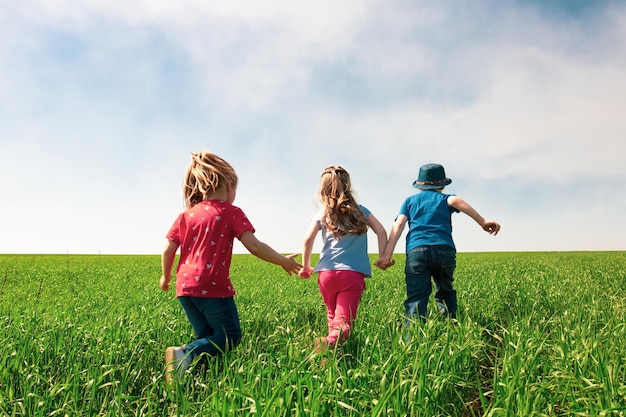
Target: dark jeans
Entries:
(216, 323)
(422, 264)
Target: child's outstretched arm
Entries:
(307, 249)
(265, 252)
(167, 262)
(385, 260)
(490, 226)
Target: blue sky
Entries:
(102, 102)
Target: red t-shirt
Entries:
(205, 234)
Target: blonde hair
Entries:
(342, 214)
(207, 173)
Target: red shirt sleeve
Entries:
(174, 232)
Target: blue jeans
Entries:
(216, 323)
(425, 262)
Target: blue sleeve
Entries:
(404, 208)
(366, 212)
(452, 209)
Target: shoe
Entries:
(321, 344)
(176, 362)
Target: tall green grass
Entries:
(539, 334)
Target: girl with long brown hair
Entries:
(344, 261)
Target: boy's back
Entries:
(430, 219)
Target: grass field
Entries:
(539, 334)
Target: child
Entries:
(205, 234)
(344, 261)
(430, 250)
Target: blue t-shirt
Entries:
(430, 219)
(347, 253)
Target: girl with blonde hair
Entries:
(205, 232)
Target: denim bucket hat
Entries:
(430, 177)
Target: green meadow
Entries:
(539, 334)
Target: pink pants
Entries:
(341, 291)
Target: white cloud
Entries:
(108, 98)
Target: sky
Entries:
(103, 101)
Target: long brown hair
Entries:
(206, 173)
(342, 214)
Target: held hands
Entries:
(384, 262)
(290, 265)
(491, 227)
(306, 272)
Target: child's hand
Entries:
(290, 265)
(384, 262)
(491, 227)
(164, 283)
(306, 272)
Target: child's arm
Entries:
(265, 252)
(167, 262)
(307, 249)
(490, 226)
(380, 231)
(385, 260)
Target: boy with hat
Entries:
(430, 250)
